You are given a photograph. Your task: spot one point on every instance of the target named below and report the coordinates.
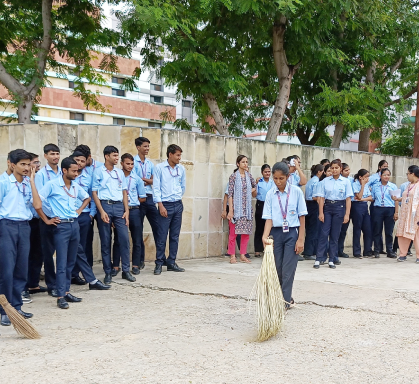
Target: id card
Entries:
(285, 227)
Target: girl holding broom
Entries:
(284, 212)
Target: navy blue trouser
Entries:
(286, 259)
(148, 209)
(14, 257)
(259, 227)
(82, 265)
(66, 240)
(169, 225)
(380, 246)
(312, 228)
(342, 237)
(88, 250)
(48, 249)
(330, 228)
(383, 215)
(35, 254)
(115, 213)
(361, 221)
(136, 229)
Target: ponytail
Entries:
(361, 173)
(380, 164)
(316, 168)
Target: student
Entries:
(263, 185)
(385, 212)
(84, 180)
(325, 162)
(111, 199)
(169, 183)
(297, 176)
(15, 214)
(334, 197)
(144, 169)
(51, 171)
(312, 219)
(341, 242)
(91, 164)
(241, 188)
(361, 220)
(62, 194)
(327, 172)
(408, 227)
(284, 212)
(136, 195)
(8, 171)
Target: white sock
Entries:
(317, 263)
(93, 282)
(331, 263)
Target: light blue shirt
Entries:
(373, 179)
(92, 168)
(334, 189)
(402, 189)
(15, 199)
(296, 206)
(4, 176)
(168, 184)
(356, 187)
(63, 202)
(311, 187)
(294, 179)
(378, 190)
(42, 177)
(262, 188)
(109, 184)
(135, 187)
(144, 171)
(85, 180)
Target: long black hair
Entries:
(361, 173)
(239, 158)
(326, 167)
(315, 169)
(380, 164)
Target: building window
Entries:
(154, 125)
(156, 87)
(117, 80)
(187, 110)
(73, 72)
(186, 104)
(76, 116)
(118, 92)
(118, 121)
(71, 84)
(156, 99)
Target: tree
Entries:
(35, 34)
(400, 143)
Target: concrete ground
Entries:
(358, 323)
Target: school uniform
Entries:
(262, 188)
(312, 219)
(334, 191)
(148, 208)
(4, 176)
(344, 230)
(66, 234)
(15, 213)
(294, 179)
(109, 186)
(43, 176)
(396, 239)
(375, 178)
(286, 207)
(384, 208)
(135, 191)
(168, 188)
(361, 221)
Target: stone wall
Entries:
(209, 160)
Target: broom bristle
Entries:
(270, 302)
(20, 324)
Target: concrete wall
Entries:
(209, 160)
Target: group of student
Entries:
(315, 223)
(52, 210)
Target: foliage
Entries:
(400, 142)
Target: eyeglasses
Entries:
(36, 162)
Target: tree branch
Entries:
(393, 69)
(406, 96)
(10, 82)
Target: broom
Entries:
(20, 324)
(270, 302)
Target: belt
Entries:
(149, 194)
(110, 201)
(16, 221)
(67, 221)
(134, 207)
(334, 201)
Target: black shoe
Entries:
(316, 266)
(5, 321)
(114, 272)
(38, 290)
(135, 271)
(258, 254)
(392, 255)
(358, 256)
(300, 258)
(383, 253)
(108, 279)
(369, 254)
(344, 255)
(157, 270)
(128, 276)
(338, 262)
(53, 292)
(247, 255)
(26, 295)
(322, 263)
(309, 257)
(402, 258)
(165, 263)
(77, 280)
(69, 298)
(98, 286)
(409, 253)
(62, 304)
(333, 266)
(26, 315)
(142, 265)
(377, 255)
(175, 268)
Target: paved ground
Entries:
(356, 324)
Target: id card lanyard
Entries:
(383, 193)
(285, 225)
(115, 178)
(408, 191)
(129, 184)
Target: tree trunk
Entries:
(285, 73)
(337, 135)
(416, 137)
(216, 114)
(364, 140)
(24, 111)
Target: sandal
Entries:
(244, 259)
(233, 260)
